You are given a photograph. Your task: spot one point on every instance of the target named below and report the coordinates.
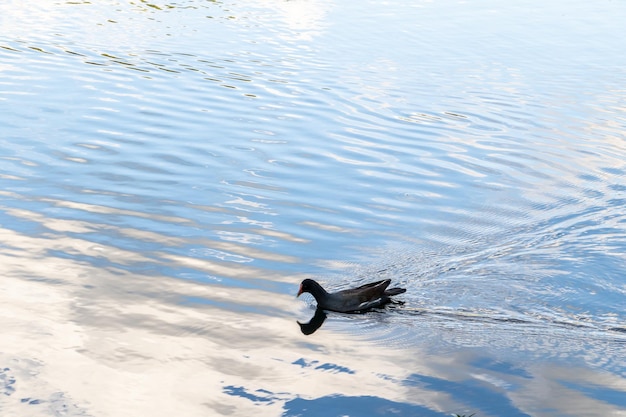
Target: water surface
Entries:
(170, 172)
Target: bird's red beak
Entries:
(299, 291)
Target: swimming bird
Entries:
(354, 300)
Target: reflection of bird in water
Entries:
(315, 323)
(354, 300)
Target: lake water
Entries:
(170, 172)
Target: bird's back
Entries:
(358, 299)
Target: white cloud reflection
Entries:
(102, 340)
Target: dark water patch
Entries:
(8, 381)
(472, 393)
(357, 406)
(323, 366)
(259, 395)
(501, 367)
(614, 396)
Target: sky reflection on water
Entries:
(171, 171)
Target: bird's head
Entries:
(306, 286)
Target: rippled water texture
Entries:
(170, 172)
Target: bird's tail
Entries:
(394, 291)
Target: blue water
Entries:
(170, 172)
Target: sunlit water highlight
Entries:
(171, 172)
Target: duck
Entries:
(353, 300)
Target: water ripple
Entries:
(171, 172)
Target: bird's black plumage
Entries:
(352, 300)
